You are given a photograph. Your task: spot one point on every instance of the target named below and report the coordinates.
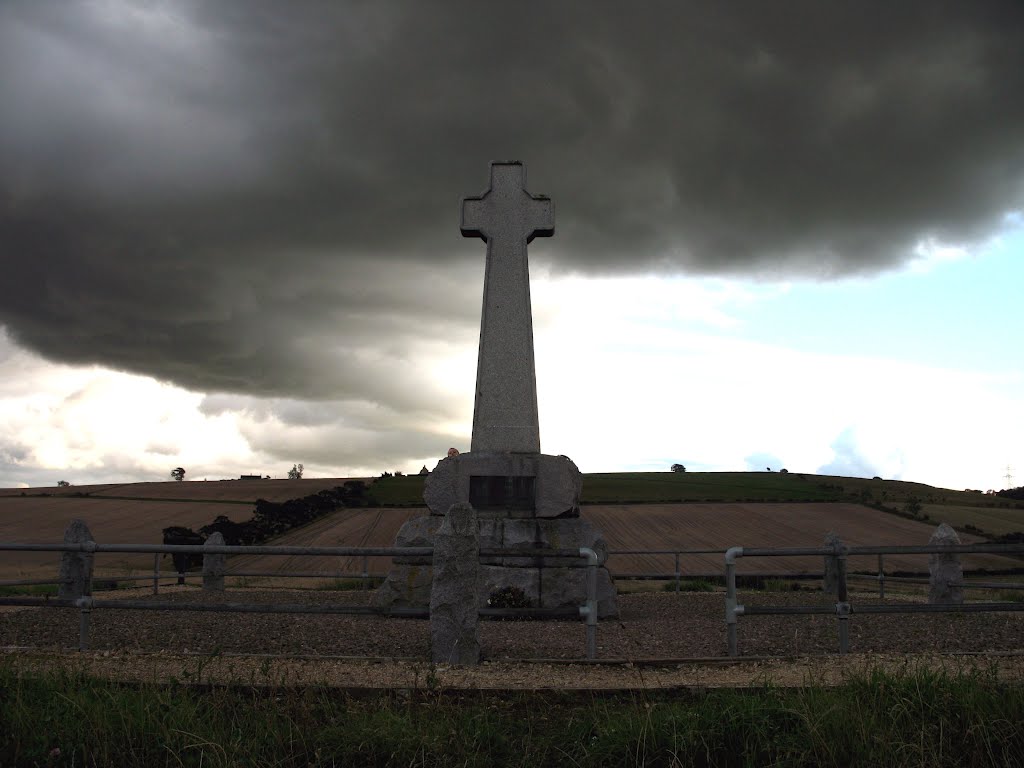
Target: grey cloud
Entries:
(243, 197)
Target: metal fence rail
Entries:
(86, 603)
(842, 608)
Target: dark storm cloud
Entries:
(260, 198)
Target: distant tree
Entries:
(295, 473)
(178, 474)
(912, 506)
(63, 484)
(678, 468)
(784, 471)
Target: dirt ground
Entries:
(660, 640)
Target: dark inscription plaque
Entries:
(499, 492)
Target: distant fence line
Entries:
(835, 560)
(76, 580)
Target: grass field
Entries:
(652, 487)
(994, 521)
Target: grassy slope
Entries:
(991, 514)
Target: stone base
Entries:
(547, 583)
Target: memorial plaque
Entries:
(498, 492)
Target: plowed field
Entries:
(42, 521)
(660, 526)
(640, 526)
(720, 526)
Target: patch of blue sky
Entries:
(960, 313)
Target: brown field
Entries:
(719, 526)
(659, 526)
(642, 526)
(42, 521)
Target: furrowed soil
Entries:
(714, 526)
(658, 526)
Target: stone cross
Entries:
(507, 217)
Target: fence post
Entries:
(366, 573)
(945, 573)
(677, 571)
(156, 573)
(843, 600)
(829, 583)
(213, 565)
(76, 567)
(730, 598)
(76, 576)
(591, 607)
(881, 577)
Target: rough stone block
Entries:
(454, 622)
(491, 533)
(559, 484)
(563, 533)
(417, 532)
(944, 569)
(406, 586)
(214, 565)
(76, 567)
(567, 587)
(495, 577)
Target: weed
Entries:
(780, 585)
(30, 590)
(347, 585)
(690, 585)
(1010, 595)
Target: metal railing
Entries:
(85, 602)
(843, 609)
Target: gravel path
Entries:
(652, 625)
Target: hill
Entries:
(663, 487)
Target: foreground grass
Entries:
(913, 719)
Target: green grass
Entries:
(992, 520)
(29, 590)
(405, 491)
(347, 585)
(690, 585)
(646, 487)
(912, 719)
(780, 585)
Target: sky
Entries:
(786, 235)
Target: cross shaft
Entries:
(507, 217)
